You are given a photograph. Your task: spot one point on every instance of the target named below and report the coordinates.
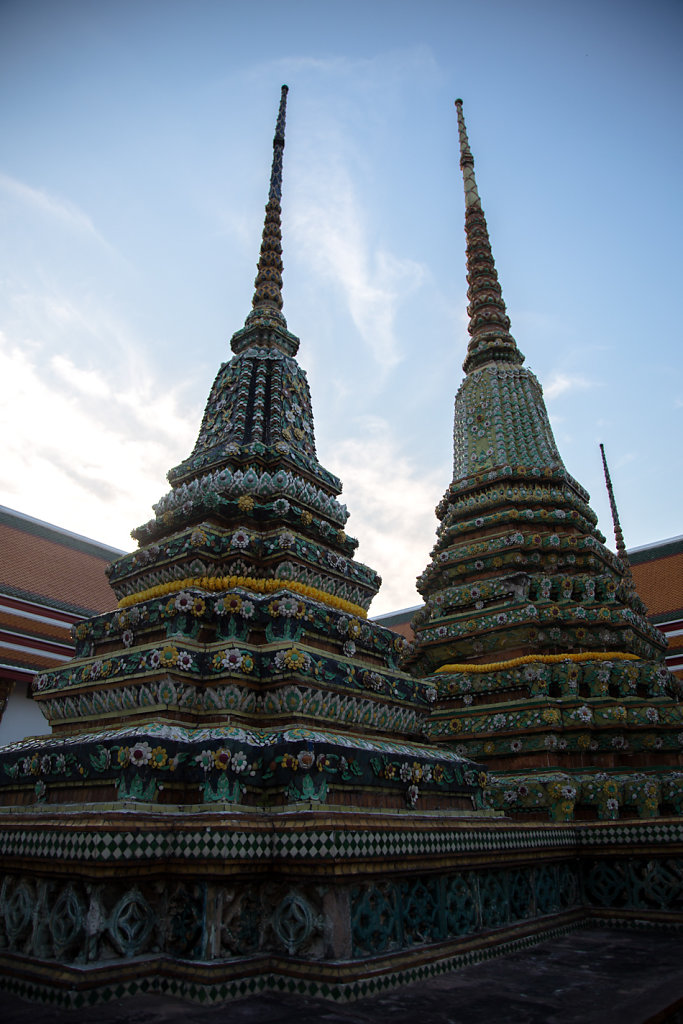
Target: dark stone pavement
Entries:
(606, 976)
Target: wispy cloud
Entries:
(86, 382)
(625, 459)
(385, 70)
(329, 230)
(329, 212)
(101, 356)
(61, 210)
(560, 383)
(79, 453)
(391, 501)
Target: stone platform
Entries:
(605, 975)
(333, 906)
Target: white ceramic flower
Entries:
(140, 753)
(232, 659)
(184, 601)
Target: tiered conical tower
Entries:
(252, 501)
(545, 663)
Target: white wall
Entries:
(22, 716)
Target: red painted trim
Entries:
(40, 609)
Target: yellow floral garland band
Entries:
(249, 583)
(548, 659)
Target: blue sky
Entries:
(137, 139)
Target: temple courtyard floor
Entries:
(605, 975)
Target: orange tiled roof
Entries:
(659, 582)
(43, 561)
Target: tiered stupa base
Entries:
(567, 736)
(237, 697)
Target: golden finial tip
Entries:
(458, 103)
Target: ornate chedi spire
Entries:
(255, 461)
(525, 607)
(242, 632)
(505, 422)
(256, 444)
(268, 283)
(618, 535)
(489, 325)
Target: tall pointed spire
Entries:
(618, 535)
(268, 283)
(489, 325)
(500, 418)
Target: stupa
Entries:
(532, 631)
